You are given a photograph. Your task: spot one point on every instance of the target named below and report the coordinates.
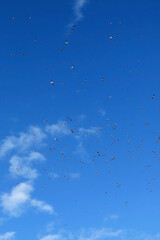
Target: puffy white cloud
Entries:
(21, 166)
(21, 143)
(7, 236)
(15, 202)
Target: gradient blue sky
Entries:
(80, 160)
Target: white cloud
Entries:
(87, 131)
(42, 206)
(16, 202)
(21, 143)
(78, 6)
(92, 234)
(7, 236)
(21, 166)
(145, 236)
(18, 199)
(58, 128)
(102, 233)
(13, 203)
(62, 128)
(77, 9)
(52, 237)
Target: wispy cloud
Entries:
(63, 129)
(59, 128)
(87, 132)
(77, 9)
(102, 233)
(81, 152)
(91, 234)
(50, 227)
(111, 217)
(42, 206)
(114, 216)
(74, 175)
(78, 6)
(7, 236)
(52, 237)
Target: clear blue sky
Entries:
(80, 157)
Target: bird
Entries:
(52, 82)
(153, 96)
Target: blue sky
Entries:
(80, 158)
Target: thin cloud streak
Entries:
(77, 9)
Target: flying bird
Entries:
(52, 82)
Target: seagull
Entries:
(52, 82)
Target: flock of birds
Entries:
(115, 138)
